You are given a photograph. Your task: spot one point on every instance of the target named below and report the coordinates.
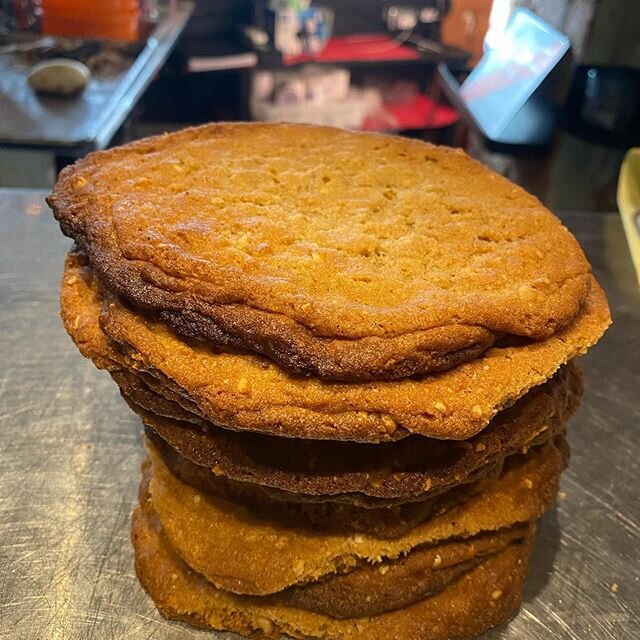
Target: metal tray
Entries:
(70, 457)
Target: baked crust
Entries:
(482, 598)
(341, 255)
(365, 474)
(244, 391)
(242, 551)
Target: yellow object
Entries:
(629, 203)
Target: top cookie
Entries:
(340, 255)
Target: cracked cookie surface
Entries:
(337, 254)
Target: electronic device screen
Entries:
(508, 74)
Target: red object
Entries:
(366, 46)
(420, 113)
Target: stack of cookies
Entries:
(352, 355)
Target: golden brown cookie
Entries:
(482, 598)
(239, 551)
(80, 304)
(424, 571)
(369, 590)
(246, 392)
(341, 255)
(367, 474)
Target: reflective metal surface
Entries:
(70, 454)
(89, 121)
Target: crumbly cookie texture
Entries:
(245, 391)
(367, 474)
(239, 551)
(482, 598)
(340, 255)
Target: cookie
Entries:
(370, 590)
(424, 571)
(482, 598)
(243, 391)
(341, 255)
(344, 513)
(242, 552)
(366, 474)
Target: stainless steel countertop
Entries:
(70, 455)
(88, 121)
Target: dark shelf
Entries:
(271, 59)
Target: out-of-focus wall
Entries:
(466, 26)
(601, 31)
(615, 34)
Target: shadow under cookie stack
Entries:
(353, 358)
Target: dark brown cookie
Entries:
(369, 474)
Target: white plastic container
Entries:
(349, 113)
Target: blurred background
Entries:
(546, 92)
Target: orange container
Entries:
(109, 20)
(126, 32)
(76, 7)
